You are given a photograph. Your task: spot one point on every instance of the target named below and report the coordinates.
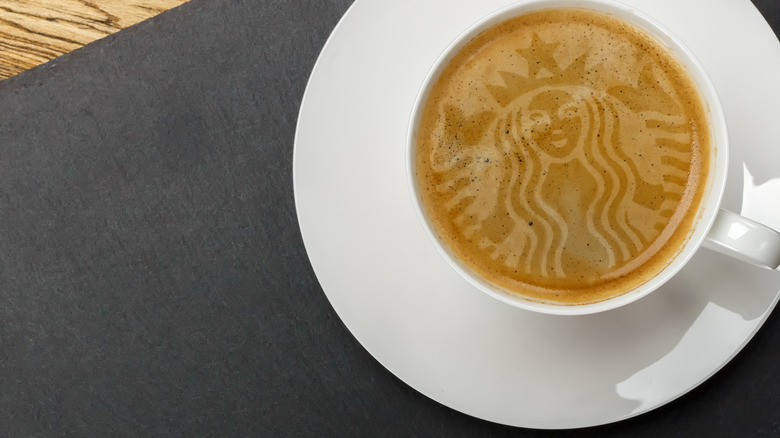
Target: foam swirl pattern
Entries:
(562, 156)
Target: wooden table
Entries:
(33, 32)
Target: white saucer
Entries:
(458, 346)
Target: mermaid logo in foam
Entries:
(591, 166)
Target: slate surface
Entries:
(153, 280)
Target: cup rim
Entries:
(714, 188)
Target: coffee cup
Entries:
(570, 157)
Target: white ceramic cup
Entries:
(717, 229)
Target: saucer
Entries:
(455, 344)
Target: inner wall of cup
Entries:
(715, 183)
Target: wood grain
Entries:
(35, 31)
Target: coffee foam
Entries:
(562, 155)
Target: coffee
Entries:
(563, 155)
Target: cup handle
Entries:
(744, 239)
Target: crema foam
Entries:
(562, 155)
